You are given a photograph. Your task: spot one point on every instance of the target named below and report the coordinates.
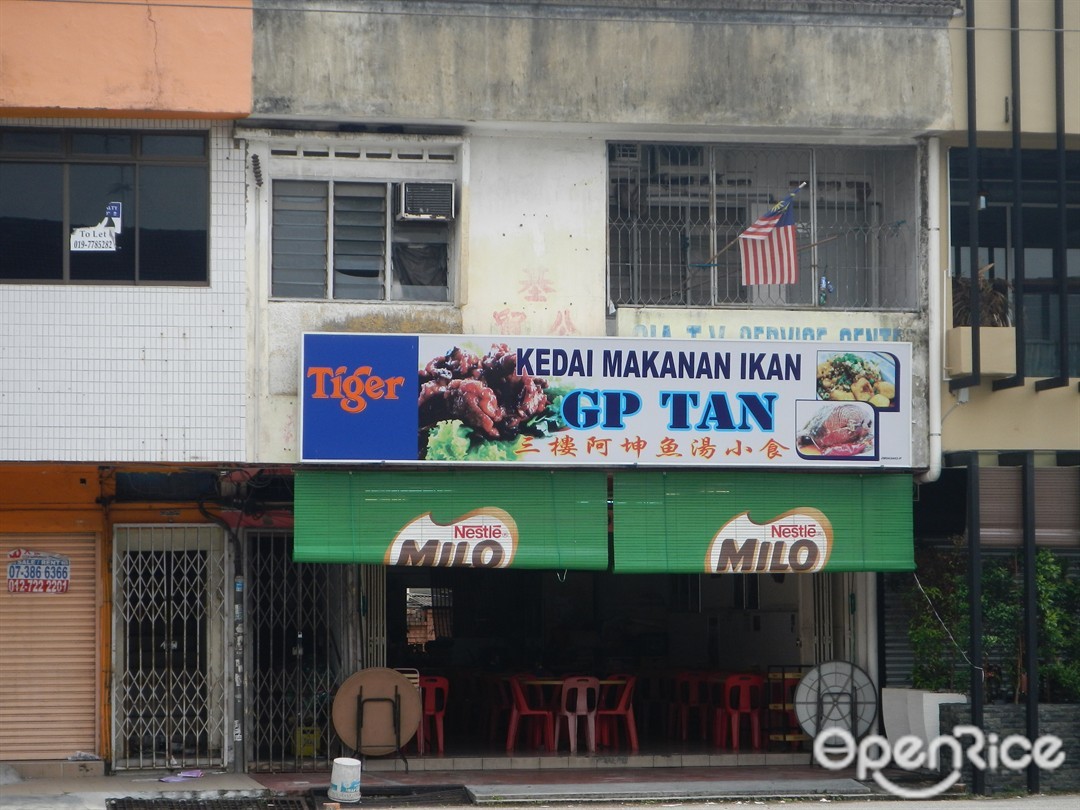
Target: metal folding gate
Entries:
(169, 705)
(303, 641)
(823, 617)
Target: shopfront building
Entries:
(606, 504)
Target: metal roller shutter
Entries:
(48, 655)
(1057, 506)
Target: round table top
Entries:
(377, 736)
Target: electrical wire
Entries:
(944, 626)
(584, 12)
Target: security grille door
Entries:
(169, 695)
(823, 617)
(303, 642)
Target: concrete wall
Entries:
(992, 80)
(184, 57)
(1018, 418)
(706, 68)
(536, 236)
(531, 248)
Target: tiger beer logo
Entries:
(352, 389)
(485, 538)
(798, 542)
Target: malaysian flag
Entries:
(767, 248)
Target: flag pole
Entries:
(821, 241)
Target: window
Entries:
(1002, 224)
(352, 240)
(96, 206)
(746, 590)
(675, 212)
(358, 217)
(429, 616)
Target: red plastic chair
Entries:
(744, 697)
(651, 702)
(498, 702)
(580, 698)
(534, 713)
(434, 692)
(611, 692)
(621, 705)
(690, 704)
(720, 717)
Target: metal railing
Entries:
(675, 212)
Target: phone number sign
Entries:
(37, 572)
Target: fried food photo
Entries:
(855, 378)
(478, 407)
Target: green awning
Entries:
(749, 522)
(453, 518)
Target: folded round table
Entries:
(367, 705)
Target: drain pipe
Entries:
(933, 304)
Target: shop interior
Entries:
(477, 627)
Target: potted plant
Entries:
(993, 300)
(997, 337)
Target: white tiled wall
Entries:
(124, 373)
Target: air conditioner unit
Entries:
(625, 154)
(840, 188)
(434, 201)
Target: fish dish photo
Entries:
(837, 430)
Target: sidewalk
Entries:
(481, 787)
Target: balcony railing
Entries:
(675, 212)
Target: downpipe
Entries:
(934, 299)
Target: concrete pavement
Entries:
(487, 787)
(687, 788)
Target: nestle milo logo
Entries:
(484, 538)
(798, 541)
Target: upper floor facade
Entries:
(497, 168)
(122, 273)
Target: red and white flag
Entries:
(767, 248)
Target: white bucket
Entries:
(345, 780)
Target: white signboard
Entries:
(100, 237)
(604, 401)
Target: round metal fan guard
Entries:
(836, 694)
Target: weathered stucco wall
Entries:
(536, 232)
(509, 63)
(532, 234)
(184, 57)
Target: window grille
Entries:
(675, 212)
